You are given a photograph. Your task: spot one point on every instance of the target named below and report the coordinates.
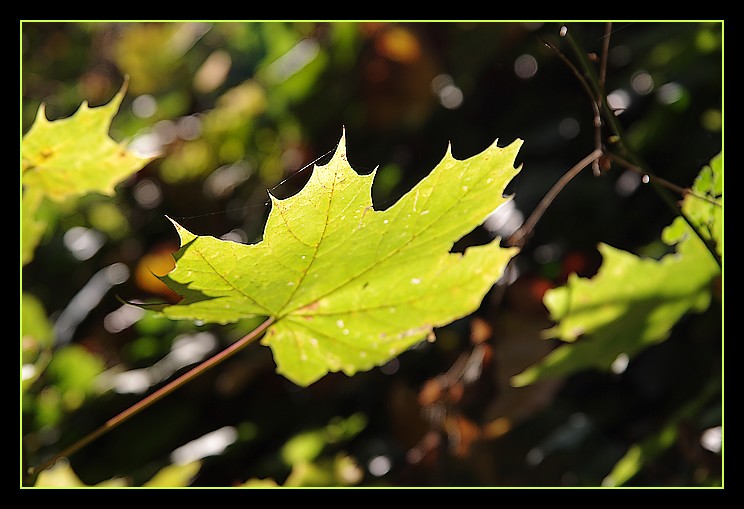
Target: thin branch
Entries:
(683, 191)
(596, 166)
(519, 237)
(611, 119)
(155, 396)
(594, 101)
(576, 72)
(603, 58)
(589, 74)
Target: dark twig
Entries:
(519, 237)
(683, 191)
(593, 82)
(603, 58)
(576, 72)
(596, 167)
(594, 101)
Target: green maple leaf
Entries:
(68, 158)
(74, 156)
(704, 214)
(633, 302)
(350, 287)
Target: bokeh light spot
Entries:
(144, 106)
(525, 66)
(569, 128)
(619, 101)
(712, 439)
(379, 465)
(642, 83)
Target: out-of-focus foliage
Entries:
(61, 475)
(707, 214)
(68, 158)
(174, 475)
(634, 302)
(234, 109)
(74, 156)
(654, 445)
(311, 458)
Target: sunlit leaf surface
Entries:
(350, 287)
(74, 156)
(68, 158)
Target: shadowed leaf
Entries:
(633, 302)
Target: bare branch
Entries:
(595, 101)
(603, 58)
(683, 191)
(519, 237)
(593, 81)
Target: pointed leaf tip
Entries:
(183, 234)
(341, 147)
(68, 154)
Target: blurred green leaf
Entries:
(305, 447)
(310, 474)
(152, 71)
(34, 322)
(73, 372)
(260, 483)
(32, 227)
(706, 215)
(61, 475)
(225, 131)
(69, 158)
(108, 218)
(640, 454)
(74, 156)
(633, 302)
(36, 338)
(342, 470)
(174, 475)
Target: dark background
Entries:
(402, 92)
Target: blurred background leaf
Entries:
(634, 302)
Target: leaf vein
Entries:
(394, 252)
(281, 313)
(230, 283)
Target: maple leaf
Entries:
(349, 287)
(68, 158)
(74, 156)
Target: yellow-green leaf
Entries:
(74, 156)
(174, 475)
(633, 302)
(68, 158)
(350, 287)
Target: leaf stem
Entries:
(155, 396)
